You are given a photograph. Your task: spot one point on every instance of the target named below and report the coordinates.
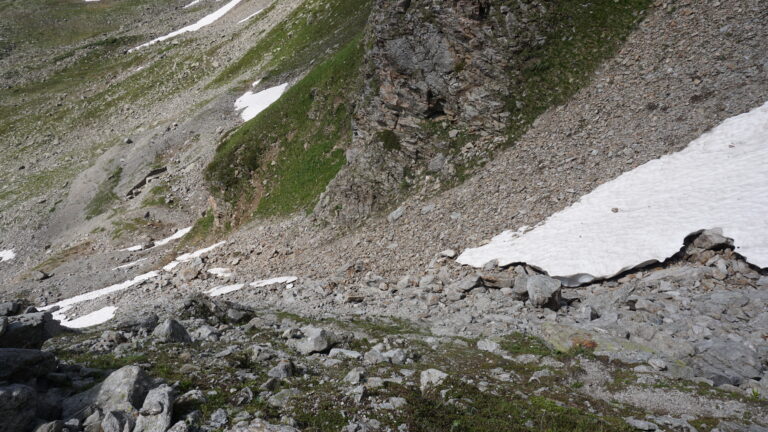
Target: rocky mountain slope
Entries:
(168, 263)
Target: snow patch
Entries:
(130, 264)
(189, 5)
(206, 20)
(177, 235)
(253, 103)
(65, 304)
(250, 16)
(89, 320)
(277, 280)
(198, 253)
(7, 255)
(719, 181)
(215, 292)
(220, 272)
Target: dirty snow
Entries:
(198, 253)
(177, 235)
(250, 16)
(89, 320)
(226, 289)
(253, 103)
(130, 264)
(719, 181)
(65, 304)
(7, 255)
(215, 292)
(277, 280)
(206, 20)
(220, 272)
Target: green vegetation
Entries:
(282, 160)
(312, 31)
(389, 139)
(580, 36)
(156, 196)
(104, 195)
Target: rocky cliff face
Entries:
(437, 78)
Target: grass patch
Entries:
(280, 161)
(104, 195)
(465, 408)
(580, 36)
(156, 197)
(309, 31)
(59, 258)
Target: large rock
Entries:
(117, 421)
(17, 408)
(157, 410)
(29, 330)
(20, 365)
(171, 331)
(316, 340)
(9, 308)
(712, 239)
(726, 361)
(543, 291)
(123, 390)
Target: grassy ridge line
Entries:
(303, 37)
(305, 128)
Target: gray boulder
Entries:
(157, 410)
(170, 331)
(712, 239)
(19, 365)
(29, 330)
(725, 361)
(9, 308)
(123, 390)
(54, 426)
(431, 378)
(17, 408)
(117, 421)
(316, 340)
(543, 291)
(284, 369)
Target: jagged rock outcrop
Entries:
(435, 71)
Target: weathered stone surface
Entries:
(543, 291)
(425, 63)
(712, 239)
(725, 361)
(22, 364)
(17, 408)
(170, 331)
(156, 412)
(29, 330)
(117, 421)
(123, 390)
(315, 340)
(431, 378)
(9, 308)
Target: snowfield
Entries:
(7, 255)
(719, 181)
(206, 20)
(254, 103)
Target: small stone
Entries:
(284, 369)
(641, 425)
(448, 253)
(488, 345)
(355, 376)
(431, 378)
